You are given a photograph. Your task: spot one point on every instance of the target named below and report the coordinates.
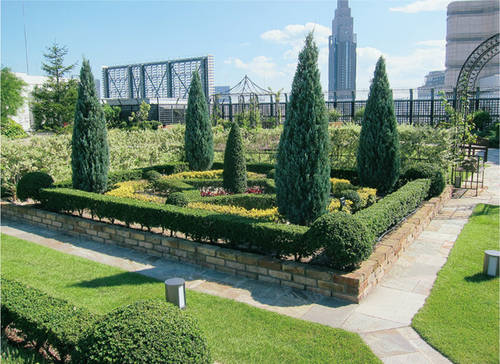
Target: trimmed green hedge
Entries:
(44, 318)
(268, 184)
(151, 331)
(201, 225)
(262, 168)
(245, 200)
(387, 212)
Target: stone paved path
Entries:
(383, 319)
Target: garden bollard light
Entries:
(175, 291)
(491, 262)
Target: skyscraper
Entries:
(342, 53)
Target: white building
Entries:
(24, 115)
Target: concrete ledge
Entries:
(353, 286)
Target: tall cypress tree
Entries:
(90, 152)
(378, 158)
(198, 138)
(303, 166)
(235, 169)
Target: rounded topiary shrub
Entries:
(152, 175)
(346, 242)
(353, 196)
(30, 184)
(426, 170)
(177, 199)
(151, 331)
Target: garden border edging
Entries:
(353, 286)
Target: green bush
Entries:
(333, 115)
(152, 175)
(42, 317)
(150, 331)
(200, 225)
(245, 200)
(11, 129)
(353, 196)
(390, 210)
(235, 174)
(481, 119)
(271, 174)
(426, 170)
(345, 240)
(30, 184)
(167, 185)
(177, 199)
(338, 188)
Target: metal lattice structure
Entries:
(467, 78)
(157, 80)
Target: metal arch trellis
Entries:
(467, 78)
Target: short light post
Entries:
(175, 292)
(491, 262)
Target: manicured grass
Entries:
(460, 317)
(236, 332)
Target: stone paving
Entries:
(383, 319)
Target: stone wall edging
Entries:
(353, 286)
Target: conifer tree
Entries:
(198, 138)
(378, 157)
(303, 167)
(235, 170)
(90, 152)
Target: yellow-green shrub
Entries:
(339, 185)
(264, 214)
(131, 189)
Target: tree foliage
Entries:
(90, 153)
(235, 170)
(54, 102)
(378, 157)
(303, 168)
(198, 139)
(11, 99)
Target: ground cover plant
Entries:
(460, 317)
(235, 332)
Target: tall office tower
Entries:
(342, 54)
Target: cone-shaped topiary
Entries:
(378, 158)
(198, 138)
(235, 169)
(303, 166)
(90, 152)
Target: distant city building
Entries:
(469, 23)
(342, 54)
(433, 81)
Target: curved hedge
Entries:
(426, 170)
(151, 331)
(30, 184)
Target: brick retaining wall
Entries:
(352, 286)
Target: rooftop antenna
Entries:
(25, 40)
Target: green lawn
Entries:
(460, 318)
(236, 332)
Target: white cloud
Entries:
(261, 66)
(294, 34)
(403, 71)
(423, 5)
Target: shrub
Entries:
(247, 201)
(339, 186)
(303, 164)
(333, 115)
(271, 174)
(42, 317)
(11, 129)
(132, 189)
(149, 331)
(378, 158)
(235, 173)
(90, 151)
(279, 239)
(30, 184)
(270, 214)
(353, 196)
(389, 211)
(177, 199)
(152, 175)
(345, 241)
(368, 196)
(426, 170)
(198, 137)
(166, 185)
(481, 119)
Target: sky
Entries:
(259, 38)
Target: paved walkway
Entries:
(383, 319)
